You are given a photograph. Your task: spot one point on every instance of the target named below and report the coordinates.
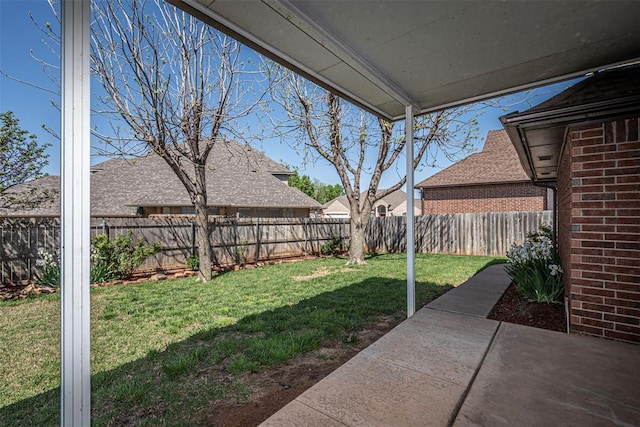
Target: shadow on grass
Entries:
(172, 386)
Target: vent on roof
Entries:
(547, 157)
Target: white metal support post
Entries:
(75, 394)
(411, 255)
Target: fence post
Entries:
(305, 224)
(105, 229)
(193, 238)
(257, 232)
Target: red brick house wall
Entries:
(599, 242)
(484, 198)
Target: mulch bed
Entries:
(514, 308)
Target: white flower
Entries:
(555, 269)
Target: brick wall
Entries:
(484, 198)
(600, 244)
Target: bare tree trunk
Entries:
(202, 223)
(202, 240)
(356, 244)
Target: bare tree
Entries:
(172, 85)
(361, 147)
(178, 84)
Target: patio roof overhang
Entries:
(385, 55)
(539, 133)
(393, 58)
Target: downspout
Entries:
(554, 216)
(554, 188)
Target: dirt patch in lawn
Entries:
(273, 388)
(514, 308)
(322, 271)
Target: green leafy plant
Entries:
(193, 262)
(100, 273)
(110, 259)
(332, 247)
(122, 255)
(50, 269)
(535, 268)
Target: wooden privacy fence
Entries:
(469, 234)
(234, 241)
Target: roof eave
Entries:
(518, 125)
(470, 184)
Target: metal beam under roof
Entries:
(384, 55)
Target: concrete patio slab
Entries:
(476, 296)
(448, 365)
(438, 344)
(300, 414)
(370, 392)
(536, 377)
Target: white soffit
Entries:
(384, 55)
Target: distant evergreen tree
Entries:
(315, 189)
(326, 192)
(302, 183)
(21, 160)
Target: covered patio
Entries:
(394, 59)
(450, 365)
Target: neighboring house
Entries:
(586, 141)
(489, 181)
(393, 204)
(240, 182)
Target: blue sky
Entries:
(33, 108)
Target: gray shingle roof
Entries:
(237, 175)
(50, 183)
(497, 163)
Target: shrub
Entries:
(110, 259)
(122, 255)
(333, 247)
(535, 268)
(193, 262)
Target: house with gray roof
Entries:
(489, 181)
(393, 204)
(241, 182)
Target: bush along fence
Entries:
(234, 241)
(249, 240)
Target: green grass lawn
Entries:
(162, 350)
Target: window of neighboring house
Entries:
(187, 210)
(213, 211)
(382, 211)
(168, 210)
(287, 213)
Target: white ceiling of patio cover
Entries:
(384, 55)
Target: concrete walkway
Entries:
(449, 365)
